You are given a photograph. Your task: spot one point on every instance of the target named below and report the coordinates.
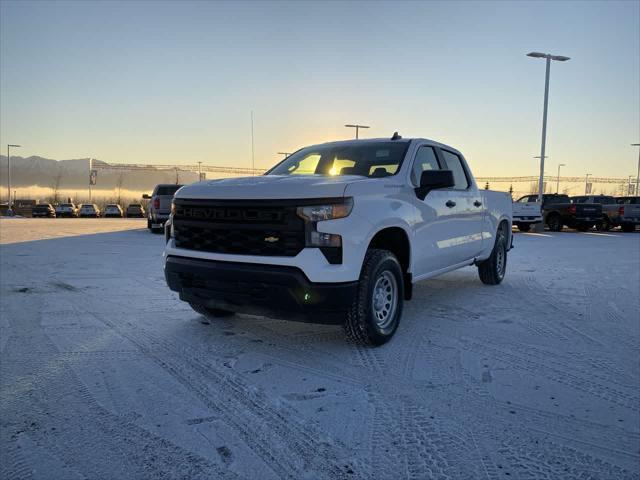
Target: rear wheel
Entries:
(210, 313)
(493, 269)
(583, 227)
(375, 312)
(628, 228)
(524, 227)
(605, 224)
(554, 222)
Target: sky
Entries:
(175, 82)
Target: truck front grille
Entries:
(264, 228)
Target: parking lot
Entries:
(104, 373)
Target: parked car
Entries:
(336, 233)
(113, 210)
(609, 208)
(89, 210)
(66, 210)
(558, 211)
(135, 210)
(526, 213)
(159, 207)
(628, 216)
(43, 210)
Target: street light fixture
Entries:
(558, 179)
(357, 127)
(548, 57)
(9, 209)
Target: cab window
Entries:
(425, 160)
(454, 163)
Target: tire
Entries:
(628, 228)
(524, 227)
(210, 313)
(148, 223)
(374, 314)
(554, 222)
(493, 269)
(583, 227)
(605, 225)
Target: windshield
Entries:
(167, 189)
(371, 159)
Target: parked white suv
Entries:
(66, 210)
(335, 233)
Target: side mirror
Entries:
(432, 180)
(146, 196)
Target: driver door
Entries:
(435, 228)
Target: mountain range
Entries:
(74, 174)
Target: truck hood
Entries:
(269, 187)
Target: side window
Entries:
(455, 165)
(425, 160)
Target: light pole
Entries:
(638, 173)
(9, 209)
(199, 171)
(586, 183)
(629, 185)
(357, 127)
(558, 179)
(543, 174)
(253, 160)
(548, 57)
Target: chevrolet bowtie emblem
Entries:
(271, 239)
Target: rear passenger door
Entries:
(435, 230)
(469, 210)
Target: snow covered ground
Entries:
(105, 374)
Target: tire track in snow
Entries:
(261, 426)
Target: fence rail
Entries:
(258, 171)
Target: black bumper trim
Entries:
(270, 290)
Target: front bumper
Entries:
(269, 290)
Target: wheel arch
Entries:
(396, 240)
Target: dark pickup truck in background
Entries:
(621, 212)
(558, 211)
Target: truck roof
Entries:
(378, 140)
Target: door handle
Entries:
(477, 203)
(450, 204)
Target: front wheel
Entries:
(628, 227)
(375, 312)
(524, 227)
(493, 269)
(583, 227)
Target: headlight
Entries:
(168, 229)
(319, 213)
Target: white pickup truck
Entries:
(526, 212)
(335, 233)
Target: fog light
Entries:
(320, 239)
